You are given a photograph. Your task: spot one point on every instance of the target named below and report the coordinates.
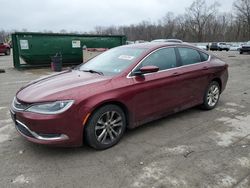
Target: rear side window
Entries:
(204, 57)
(163, 58)
(189, 56)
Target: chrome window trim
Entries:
(209, 58)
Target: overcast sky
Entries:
(84, 15)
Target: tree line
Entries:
(199, 23)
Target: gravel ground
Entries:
(193, 148)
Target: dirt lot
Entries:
(193, 148)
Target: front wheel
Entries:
(211, 96)
(105, 127)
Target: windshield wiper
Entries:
(93, 71)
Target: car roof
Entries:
(153, 45)
(167, 40)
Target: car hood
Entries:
(65, 85)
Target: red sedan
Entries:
(4, 48)
(122, 88)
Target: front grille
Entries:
(19, 105)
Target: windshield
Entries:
(114, 61)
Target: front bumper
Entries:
(56, 130)
(25, 131)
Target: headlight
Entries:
(51, 108)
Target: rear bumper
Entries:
(213, 48)
(245, 49)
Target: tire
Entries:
(100, 132)
(211, 96)
(241, 52)
(7, 52)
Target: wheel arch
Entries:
(218, 80)
(113, 102)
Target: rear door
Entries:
(195, 73)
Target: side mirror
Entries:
(147, 69)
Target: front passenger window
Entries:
(164, 59)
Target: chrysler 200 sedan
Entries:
(122, 88)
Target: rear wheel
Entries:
(211, 96)
(105, 127)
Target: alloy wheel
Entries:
(108, 127)
(213, 95)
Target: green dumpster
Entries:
(36, 49)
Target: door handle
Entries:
(176, 74)
(205, 68)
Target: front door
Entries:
(160, 92)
